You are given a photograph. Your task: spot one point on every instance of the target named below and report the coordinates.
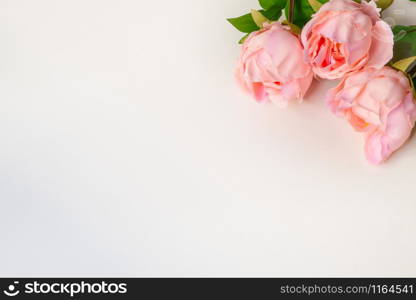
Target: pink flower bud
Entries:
(379, 103)
(346, 36)
(271, 66)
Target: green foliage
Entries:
(272, 10)
(242, 40)
(273, 14)
(315, 4)
(411, 71)
(404, 42)
(267, 4)
(414, 79)
(384, 4)
(245, 23)
(259, 18)
(303, 12)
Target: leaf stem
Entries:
(411, 70)
(291, 10)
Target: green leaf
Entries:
(399, 30)
(247, 24)
(303, 12)
(413, 83)
(315, 4)
(244, 23)
(295, 29)
(243, 39)
(384, 4)
(404, 64)
(411, 69)
(273, 13)
(404, 42)
(259, 18)
(267, 4)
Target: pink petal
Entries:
(381, 51)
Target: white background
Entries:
(128, 150)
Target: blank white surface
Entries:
(128, 150)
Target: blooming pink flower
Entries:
(345, 36)
(380, 103)
(271, 66)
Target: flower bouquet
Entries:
(334, 39)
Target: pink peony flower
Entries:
(271, 66)
(345, 36)
(380, 103)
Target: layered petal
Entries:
(381, 51)
(271, 66)
(344, 37)
(380, 103)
